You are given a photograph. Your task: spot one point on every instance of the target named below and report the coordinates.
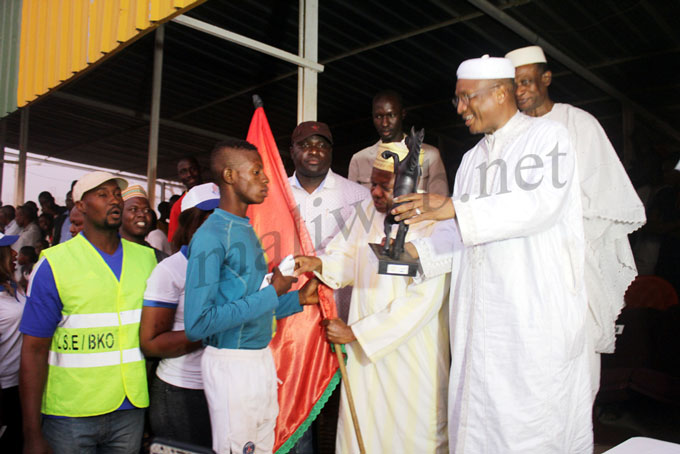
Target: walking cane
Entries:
(348, 391)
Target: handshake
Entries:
(286, 274)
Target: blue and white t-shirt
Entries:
(165, 288)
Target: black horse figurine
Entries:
(407, 173)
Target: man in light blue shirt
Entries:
(230, 306)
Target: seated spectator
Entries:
(77, 219)
(178, 409)
(48, 205)
(46, 224)
(157, 238)
(62, 223)
(6, 217)
(11, 228)
(173, 198)
(164, 210)
(12, 300)
(31, 204)
(27, 220)
(26, 259)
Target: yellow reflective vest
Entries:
(95, 360)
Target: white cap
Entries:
(94, 179)
(526, 56)
(8, 240)
(204, 196)
(486, 68)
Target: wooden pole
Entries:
(350, 399)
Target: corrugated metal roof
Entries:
(366, 46)
(10, 30)
(62, 38)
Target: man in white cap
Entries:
(83, 377)
(512, 238)
(611, 207)
(396, 334)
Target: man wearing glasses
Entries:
(512, 238)
(611, 207)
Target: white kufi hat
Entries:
(526, 56)
(486, 68)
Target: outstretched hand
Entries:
(280, 282)
(305, 264)
(337, 331)
(422, 207)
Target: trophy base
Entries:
(404, 265)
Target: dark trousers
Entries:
(179, 414)
(10, 408)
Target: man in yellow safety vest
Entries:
(83, 378)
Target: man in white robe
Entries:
(396, 336)
(512, 237)
(611, 206)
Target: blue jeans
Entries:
(118, 432)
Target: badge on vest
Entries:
(249, 448)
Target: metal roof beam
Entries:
(247, 42)
(358, 50)
(137, 115)
(572, 64)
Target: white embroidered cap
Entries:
(526, 56)
(486, 68)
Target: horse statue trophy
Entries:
(392, 258)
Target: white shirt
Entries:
(433, 178)
(11, 309)
(159, 240)
(28, 236)
(12, 228)
(519, 379)
(166, 285)
(327, 209)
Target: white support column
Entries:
(152, 164)
(20, 187)
(309, 44)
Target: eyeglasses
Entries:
(465, 99)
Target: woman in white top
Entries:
(12, 301)
(178, 409)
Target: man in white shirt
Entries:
(27, 220)
(611, 206)
(327, 204)
(388, 115)
(9, 224)
(326, 199)
(513, 242)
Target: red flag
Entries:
(304, 361)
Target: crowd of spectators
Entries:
(25, 231)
